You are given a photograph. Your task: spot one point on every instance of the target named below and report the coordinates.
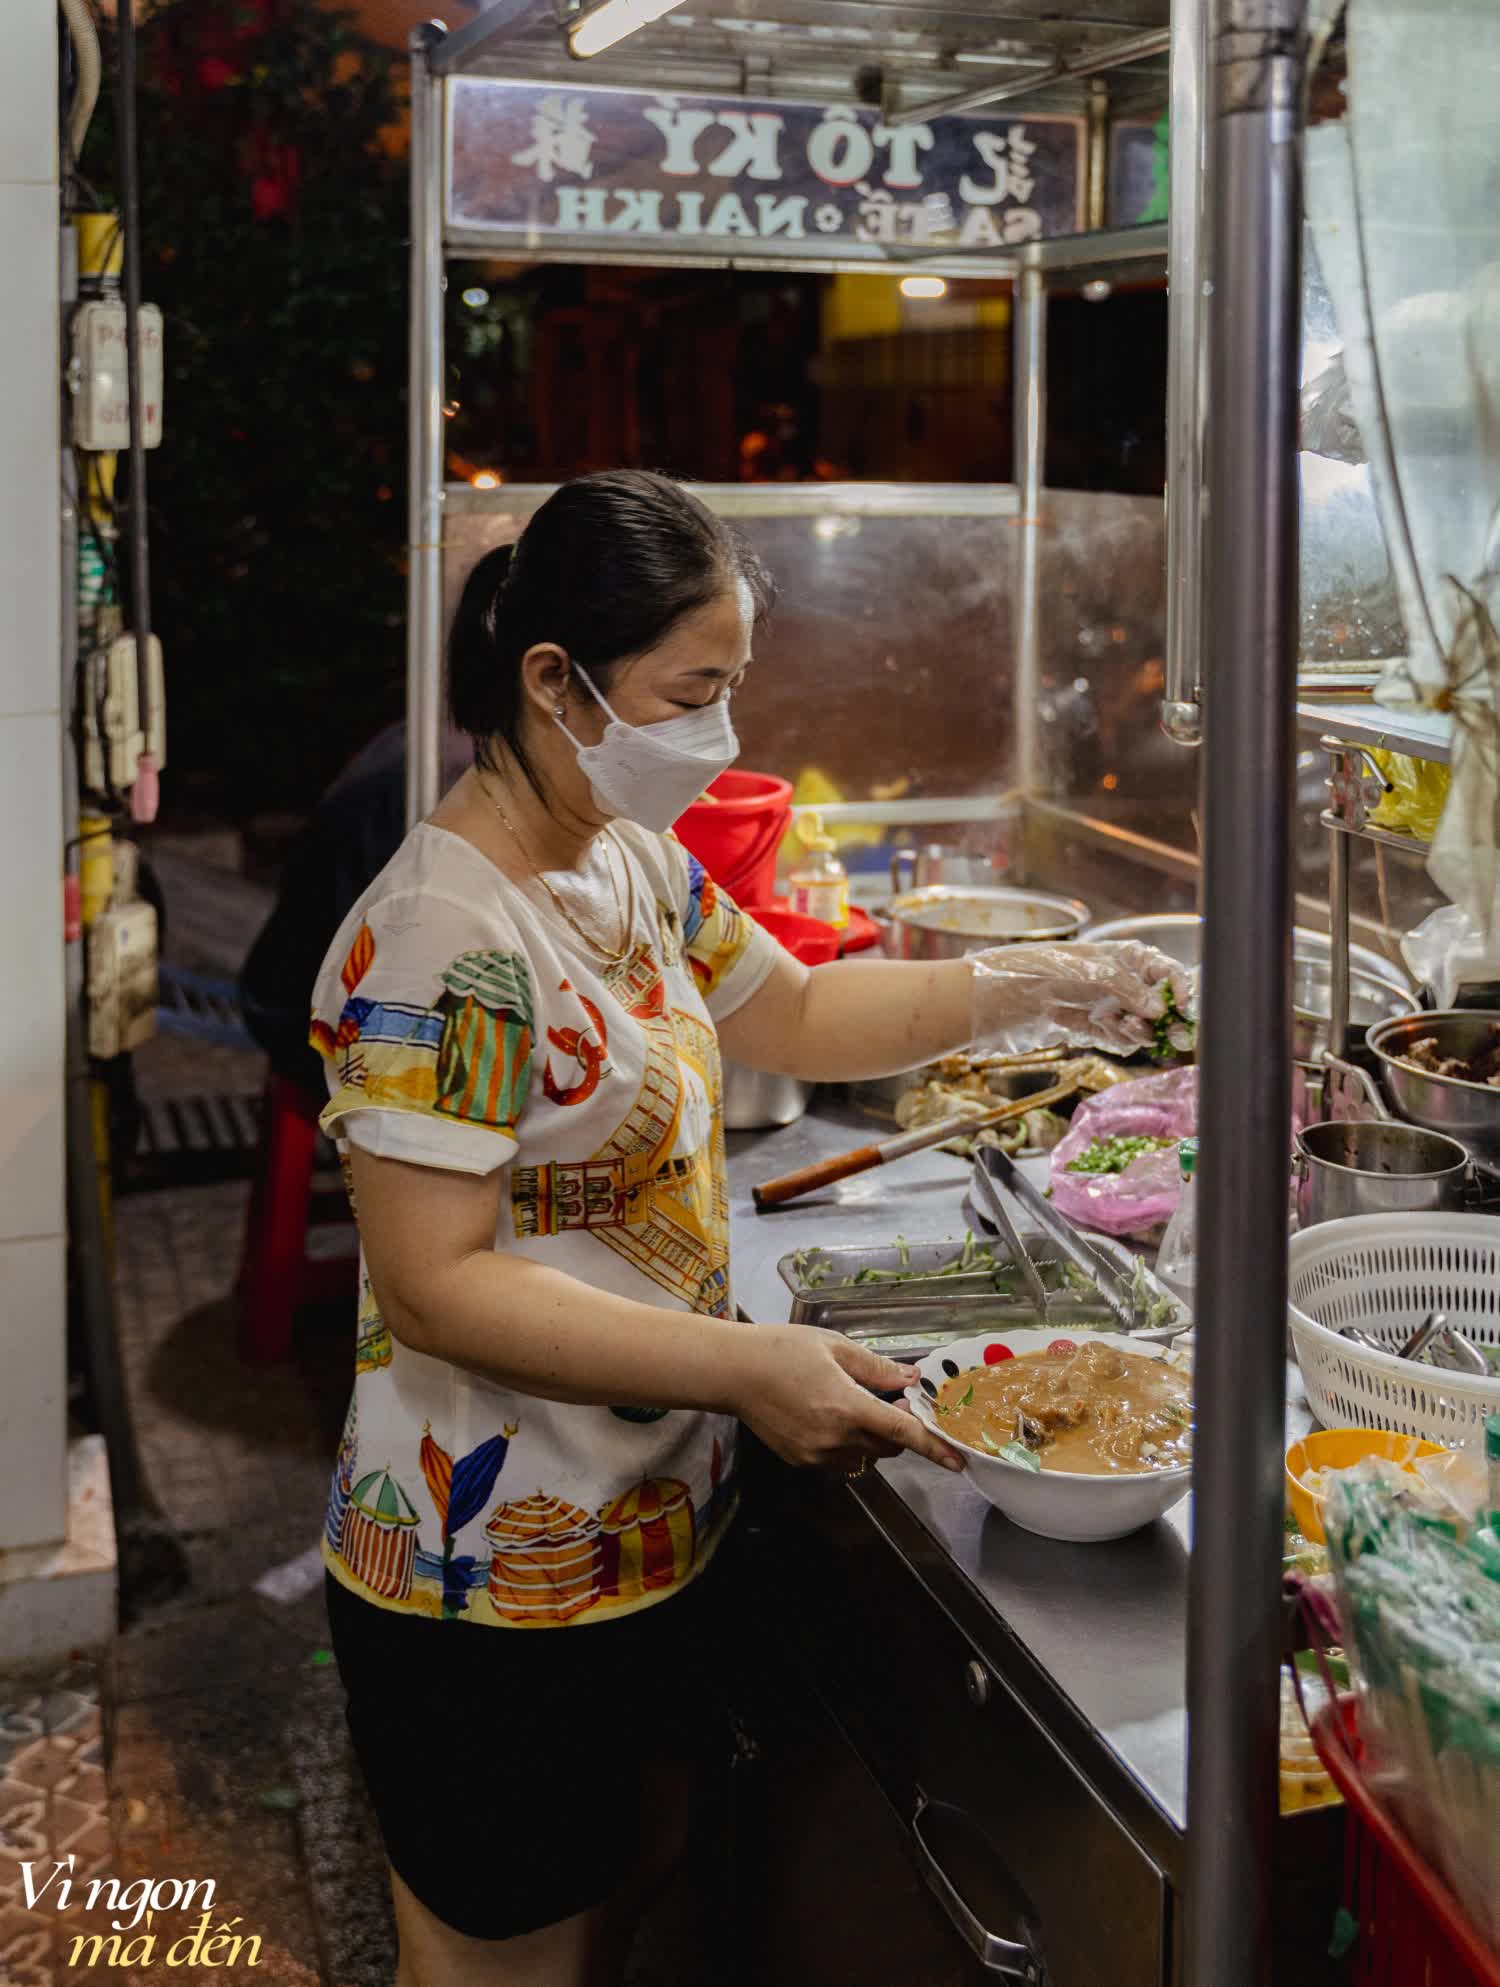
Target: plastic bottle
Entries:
(819, 884)
(1304, 1779)
(1177, 1259)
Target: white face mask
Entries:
(651, 773)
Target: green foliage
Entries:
(274, 226)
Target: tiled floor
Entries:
(229, 1756)
(53, 1804)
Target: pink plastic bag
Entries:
(1141, 1200)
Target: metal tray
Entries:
(836, 1269)
(879, 1096)
(906, 1319)
(907, 1327)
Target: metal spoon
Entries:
(1457, 1354)
(1356, 1337)
(1423, 1336)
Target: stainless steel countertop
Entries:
(1103, 1625)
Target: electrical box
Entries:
(101, 395)
(122, 979)
(114, 732)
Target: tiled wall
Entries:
(32, 1338)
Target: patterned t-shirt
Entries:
(464, 1024)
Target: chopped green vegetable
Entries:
(1113, 1155)
(1160, 1311)
(1174, 1034)
(967, 1399)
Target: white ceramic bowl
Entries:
(1056, 1504)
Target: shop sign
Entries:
(545, 166)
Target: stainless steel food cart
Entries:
(1005, 1624)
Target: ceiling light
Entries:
(1096, 292)
(476, 298)
(602, 26)
(485, 480)
(923, 286)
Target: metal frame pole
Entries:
(139, 516)
(1245, 1051)
(1091, 62)
(1029, 367)
(424, 578)
(1096, 153)
(1187, 383)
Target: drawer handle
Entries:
(1007, 1959)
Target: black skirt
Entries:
(506, 1765)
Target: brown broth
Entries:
(1091, 1410)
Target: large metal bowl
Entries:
(1469, 1112)
(758, 1100)
(1376, 989)
(948, 922)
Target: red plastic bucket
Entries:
(735, 831)
(807, 939)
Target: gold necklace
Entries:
(625, 910)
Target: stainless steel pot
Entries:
(757, 1101)
(1376, 989)
(946, 923)
(1469, 1112)
(919, 869)
(1376, 1166)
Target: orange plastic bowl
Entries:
(1340, 1449)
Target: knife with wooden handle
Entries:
(807, 1179)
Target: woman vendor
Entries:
(522, 1020)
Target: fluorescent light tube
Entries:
(601, 27)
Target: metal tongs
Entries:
(994, 1169)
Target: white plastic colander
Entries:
(1384, 1273)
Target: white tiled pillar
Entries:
(33, 1407)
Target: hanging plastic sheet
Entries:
(1404, 201)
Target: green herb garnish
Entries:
(968, 1397)
(1011, 1452)
(1113, 1155)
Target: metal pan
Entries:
(945, 923)
(1469, 1112)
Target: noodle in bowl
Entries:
(1074, 1505)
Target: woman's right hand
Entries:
(807, 1394)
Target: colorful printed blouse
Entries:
(465, 1025)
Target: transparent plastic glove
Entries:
(1108, 996)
